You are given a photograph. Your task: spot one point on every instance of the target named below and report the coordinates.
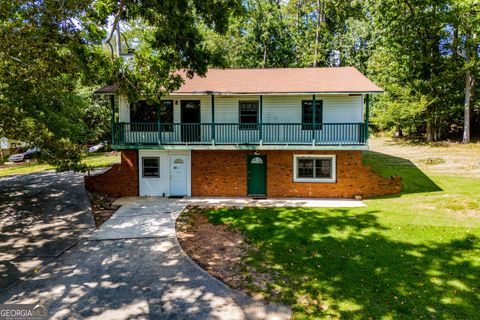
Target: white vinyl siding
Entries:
(336, 109)
(123, 109)
(276, 109)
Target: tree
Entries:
(465, 20)
(51, 49)
(47, 52)
(173, 40)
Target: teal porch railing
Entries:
(240, 134)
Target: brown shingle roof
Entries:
(281, 80)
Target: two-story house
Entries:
(293, 132)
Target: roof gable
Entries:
(281, 80)
(276, 81)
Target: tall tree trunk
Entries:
(320, 18)
(468, 91)
(466, 107)
(398, 132)
(429, 126)
(264, 55)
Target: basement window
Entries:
(314, 168)
(151, 167)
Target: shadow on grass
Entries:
(413, 179)
(356, 266)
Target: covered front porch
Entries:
(190, 129)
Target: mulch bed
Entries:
(102, 207)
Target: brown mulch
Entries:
(218, 249)
(102, 207)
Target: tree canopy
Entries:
(425, 54)
(50, 51)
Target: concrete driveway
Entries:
(132, 267)
(41, 215)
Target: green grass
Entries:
(411, 256)
(95, 160)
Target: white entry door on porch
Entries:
(178, 175)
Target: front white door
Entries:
(178, 175)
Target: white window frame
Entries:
(143, 168)
(332, 157)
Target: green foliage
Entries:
(52, 52)
(172, 40)
(47, 52)
(415, 50)
(96, 115)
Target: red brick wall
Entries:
(120, 180)
(223, 173)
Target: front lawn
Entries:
(412, 256)
(95, 160)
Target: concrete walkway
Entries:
(249, 202)
(134, 268)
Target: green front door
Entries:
(256, 175)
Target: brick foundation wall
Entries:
(120, 180)
(224, 173)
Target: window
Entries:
(248, 115)
(313, 168)
(307, 114)
(166, 115)
(144, 116)
(151, 167)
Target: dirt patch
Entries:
(102, 207)
(218, 249)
